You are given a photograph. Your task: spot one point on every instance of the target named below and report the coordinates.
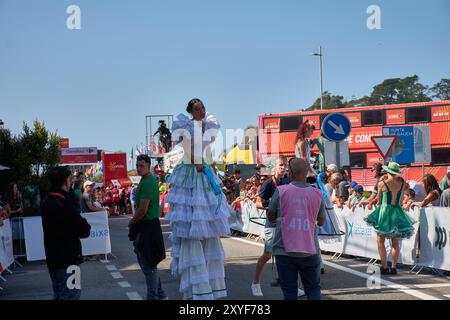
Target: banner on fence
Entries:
(6, 246)
(435, 238)
(99, 241)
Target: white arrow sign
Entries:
(338, 128)
(384, 144)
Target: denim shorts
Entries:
(268, 239)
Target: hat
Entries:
(88, 183)
(352, 185)
(392, 168)
(332, 167)
(377, 167)
(358, 188)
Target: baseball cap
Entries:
(332, 167)
(88, 183)
(358, 189)
(352, 185)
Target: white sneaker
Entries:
(256, 290)
(300, 293)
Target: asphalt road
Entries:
(120, 278)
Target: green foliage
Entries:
(441, 90)
(29, 155)
(390, 91)
(329, 102)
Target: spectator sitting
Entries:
(433, 192)
(357, 195)
(418, 188)
(409, 198)
(445, 198)
(445, 182)
(87, 202)
(340, 190)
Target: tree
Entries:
(397, 90)
(329, 102)
(441, 90)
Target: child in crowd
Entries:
(408, 199)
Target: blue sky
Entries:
(242, 58)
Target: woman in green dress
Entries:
(389, 219)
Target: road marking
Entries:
(358, 265)
(116, 275)
(134, 296)
(390, 284)
(124, 284)
(432, 285)
(110, 267)
(415, 276)
(447, 295)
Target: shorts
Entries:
(269, 233)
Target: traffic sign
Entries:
(336, 127)
(384, 144)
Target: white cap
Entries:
(332, 167)
(88, 183)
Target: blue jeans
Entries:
(309, 270)
(59, 282)
(154, 289)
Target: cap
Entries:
(332, 167)
(358, 189)
(88, 183)
(352, 185)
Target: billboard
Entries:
(412, 145)
(78, 155)
(114, 167)
(64, 143)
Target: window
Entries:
(290, 123)
(440, 156)
(322, 117)
(419, 114)
(357, 160)
(373, 117)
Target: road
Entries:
(120, 278)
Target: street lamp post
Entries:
(320, 55)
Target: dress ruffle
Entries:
(198, 220)
(391, 222)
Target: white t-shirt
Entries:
(418, 188)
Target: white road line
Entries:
(358, 265)
(413, 276)
(124, 284)
(432, 285)
(134, 296)
(110, 267)
(390, 284)
(387, 283)
(447, 295)
(116, 275)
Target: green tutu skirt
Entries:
(391, 222)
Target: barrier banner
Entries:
(34, 238)
(6, 246)
(435, 238)
(99, 241)
(360, 239)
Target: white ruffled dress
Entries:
(198, 221)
